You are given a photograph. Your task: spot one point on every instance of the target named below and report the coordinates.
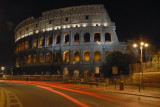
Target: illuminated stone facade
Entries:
(72, 41)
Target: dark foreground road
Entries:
(49, 94)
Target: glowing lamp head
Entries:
(142, 43)
(134, 45)
(146, 45)
(2, 68)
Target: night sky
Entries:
(132, 18)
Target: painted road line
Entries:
(12, 100)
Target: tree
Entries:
(118, 59)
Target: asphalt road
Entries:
(49, 94)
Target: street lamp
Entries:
(141, 46)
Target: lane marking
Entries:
(11, 99)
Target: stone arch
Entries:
(97, 56)
(86, 73)
(42, 41)
(65, 72)
(35, 44)
(86, 37)
(22, 46)
(108, 37)
(76, 37)
(58, 39)
(76, 56)
(107, 53)
(97, 37)
(66, 38)
(66, 56)
(41, 57)
(29, 59)
(49, 57)
(49, 40)
(26, 44)
(86, 56)
(34, 58)
(57, 57)
(76, 74)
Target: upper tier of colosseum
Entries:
(64, 18)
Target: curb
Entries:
(129, 93)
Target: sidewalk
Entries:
(131, 90)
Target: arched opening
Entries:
(76, 74)
(66, 37)
(22, 47)
(42, 41)
(41, 58)
(25, 59)
(21, 60)
(107, 53)
(30, 43)
(86, 37)
(97, 56)
(49, 40)
(26, 45)
(86, 56)
(97, 37)
(29, 59)
(76, 57)
(107, 37)
(35, 58)
(48, 57)
(19, 47)
(66, 56)
(57, 57)
(76, 38)
(65, 72)
(35, 42)
(86, 74)
(58, 39)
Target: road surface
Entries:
(48, 94)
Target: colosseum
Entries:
(70, 41)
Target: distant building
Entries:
(70, 41)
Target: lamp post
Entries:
(141, 46)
